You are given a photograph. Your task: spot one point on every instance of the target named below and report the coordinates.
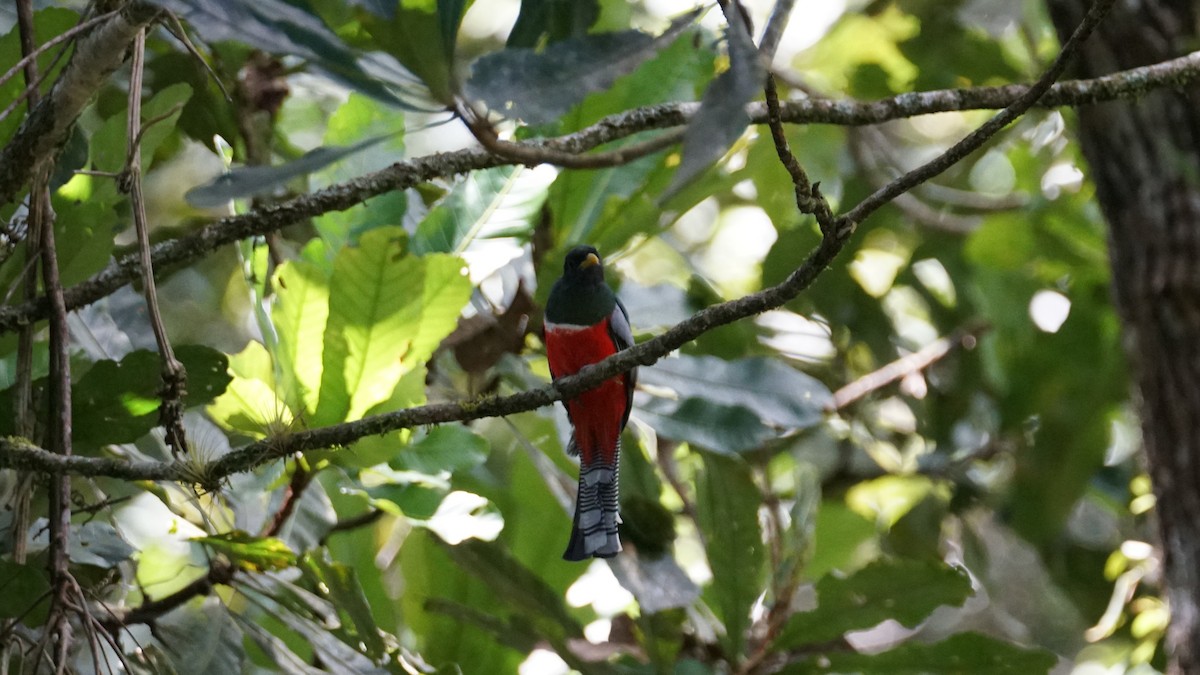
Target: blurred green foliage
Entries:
(971, 515)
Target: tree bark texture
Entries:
(1145, 161)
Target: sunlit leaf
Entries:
(388, 310)
(299, 316)
(249, 552)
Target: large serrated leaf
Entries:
(727, 502)
(779, 394)
(538, 87)
(905, 591)
(962, 653)
(722, 115)
(388, 310)
(248, 181)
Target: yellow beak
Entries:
(589, 261)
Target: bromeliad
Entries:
(585, 322)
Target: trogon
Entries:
(585, 323)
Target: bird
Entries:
(585, 322)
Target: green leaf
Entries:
(282, 27)
(727, 502)
(251, 553)
(200, 638)
(518, 586)
(248, 181)
(778, 393)
(447, 448)
(727, 429)
(117, 402)
(109, 145)
(300, 314)
(98, 544)
(905, 591)
(421, 35)
(722, 115)
(388, 311)
(46, 22)
(339, 584)
(21, 588)
(538, 87)
(962, 653)
(555, 19)
(486, 217)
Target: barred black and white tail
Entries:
(594, 532)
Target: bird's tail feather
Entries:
(594, 531)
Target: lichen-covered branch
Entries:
(97, 55)
(1125, 84)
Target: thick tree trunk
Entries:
(1145, 161)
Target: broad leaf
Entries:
(727, 502)
(780, 394)
(905, 591)
(486, 217)
(447, 448)
(388, 310)
(200, 638)
(21, 588)
(421, 34)
(299, 316)
(538, 87)
(962, 653)
(339, 584)
(248, 181)
(728, 429)
(118, 401)
(98, 544)
(722, 115)
(554, 19)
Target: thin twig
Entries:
(974, 140)
(174, 376)
(904, 366)
(70, 33)
(301, 477)
(353, 523)
(219, 573)
(407, 173)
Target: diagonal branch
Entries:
(97, 55)
(17, 454)
(407, 173)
